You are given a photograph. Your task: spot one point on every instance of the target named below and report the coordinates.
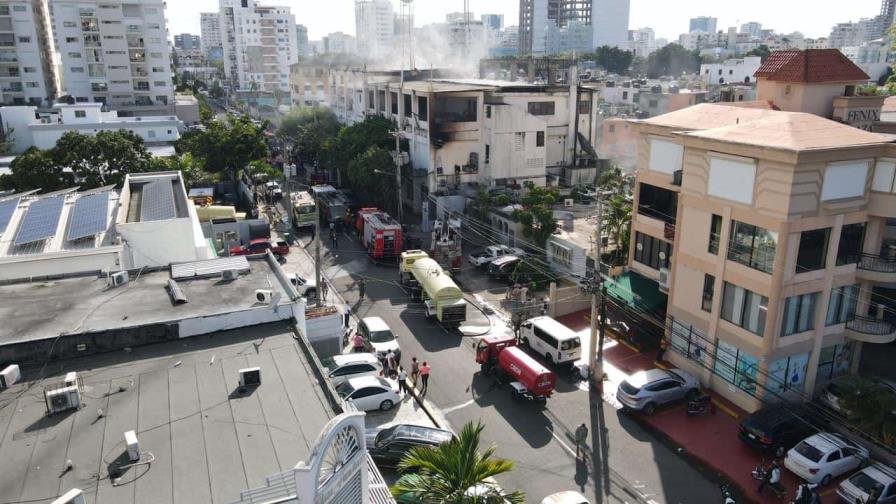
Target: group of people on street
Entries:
(392, 368)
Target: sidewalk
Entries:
(709, 440)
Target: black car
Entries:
(387, 446)
(776, 427)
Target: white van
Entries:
(545, 336)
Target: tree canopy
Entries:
(762, 51)
(612, 59)
(672, 59)
(226, 146)
(309, 129)
(537, 214)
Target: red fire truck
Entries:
(445, 245)
(380, 233)
(499, 356)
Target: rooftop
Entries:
(707, 116)
(209, 439)
(811, 66)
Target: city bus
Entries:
(303, 209)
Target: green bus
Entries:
(303, 210)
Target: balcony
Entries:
(870, 330)
(876, 269)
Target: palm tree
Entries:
(618, 222)
(455, 472)
(871, 408)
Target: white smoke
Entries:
(454, 46)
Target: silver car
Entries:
(645, 390)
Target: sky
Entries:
(813, 18)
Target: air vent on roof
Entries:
(264, 296)
(130, 439)
(250, 377)
(9, 376)
(63, 399)
(118, 278)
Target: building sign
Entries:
(863, 119)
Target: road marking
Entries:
(457, 407)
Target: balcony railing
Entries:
(877, 264)
(869, 325)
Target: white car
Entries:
(376, 332)
(823, 456)
(857, 487)
(353, 365)
(306, 286)
(369, 393)
(567, 497)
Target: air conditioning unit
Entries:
(130, 440)
(250, 377)
(229, 274)
(568, 202)
(664, 279)
(10, 376)
(264, 296)
(119, 278)
(63, 399)
(73, 496)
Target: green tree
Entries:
(456, 472)
(618, 221)
(871, 408)
(672, 59)
(537, 214)
(372, 176)
(216, 91)
(612, 59)
(193, 173)
(226, 146)
(308, 130)
(762, 51)
(35, 169)
(103, 159)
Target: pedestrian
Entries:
(346, 316)
(334, 240)
(424, 376)
(873, 495)
(415, 370)
(358, 343)
(402, 380)
(391, 363)
(664, 344)
(772, 478)
(362, 286)
(581, 438)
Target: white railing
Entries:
(279, 488)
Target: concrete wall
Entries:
(263, 314)
(811, 98)
(46, 136)
(566, 300)
(66, 347)
(26, 266)
(157, 243)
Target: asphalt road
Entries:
(623, 460)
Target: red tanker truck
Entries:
(499, 356)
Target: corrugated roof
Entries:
(810, 66)
(794, 131)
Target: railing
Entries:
(280, 487)
(869, 325)
(875, 263)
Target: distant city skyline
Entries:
(668, 19)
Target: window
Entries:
(77, 69)
(29, 69)
(715, 233)
(539, 138)
(625, 95)
(651, 251)
(24, 40)
(744, 308)
(408, 108)
(612, 128)
(393, 102)
(842, 305)
(852, 239)
(657, 203)
(159, 83)
(584, 107)
(541, 108)
(152, 55)
(151, 133)
(70, 24)
(544, 336)
(71, 40)
(709, 287)
(74, 55)
(422, 108)
(18, 8)
(32, 84)
(80, 113)
(813, 250)
(652, 103)
(488, 111)
(488, 153)
(799, 314)
(752, 246)
(455, 109)
(736, 366)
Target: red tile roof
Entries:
(810, 66)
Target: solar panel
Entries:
(7, 208)
(90, 215)
(41, 220)
(158, 201)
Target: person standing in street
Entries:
(362, 286)
(334, 240)
(664, 344)
(402, 381)
(424, 376)
(358, 343)
(346, 316)
(389, 364)
(415, 370)
(581, 438)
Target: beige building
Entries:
(769, 231)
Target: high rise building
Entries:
(545, 22)
(493, 21)
(703, 23)
(374, 27)
(886, 18)
(853, 33)
(113, 53)
(339, 43)
(752, 28)
(25, 54)
(210, 31)
(302, 40)
(609, 23)
(187, 42)
(259, 45)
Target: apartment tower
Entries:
(259, 45)
(26, 75)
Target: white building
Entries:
(114, 53)
(609, 22)
(210, 33)
(43, 130)
(374, 27)
(753, 29)
(25, 71)
(873, 57)
(643, 42)
(340, 43)
(259, 45)
(730, 71)
(852, 33)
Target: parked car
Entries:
(645, 390)
(857, 487)
(388, 445)
(838, 387)
(353, 365)
(307, 287)
(491, 253)
(274, 190)
(566, 497)
(378, 335)
(823, 456)
(773, 427)
(369, 393)
(503, 266)
(260, 246)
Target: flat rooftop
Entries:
(209, 440)
(47, 309)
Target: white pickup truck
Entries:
(491, 253)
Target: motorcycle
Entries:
(700, 405)
(761, 473)
(726, 493)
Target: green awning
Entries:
(637, 291)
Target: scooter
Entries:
(761, 473)
(726, 493)
(700, 405)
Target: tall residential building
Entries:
(187, 42)
(642, 42)
(259, 45)
(853, 34)
(493, 21)
(374, 27)
(546, 24)
(302, 40)
(114, 53)
(753, 29)
(459, 17)
(703, 23)
(210, 30)
(340, 43)
(25, 72)
(886, 17)
(609, 23)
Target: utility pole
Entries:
(398, 143)
(598, 299)
(317, 238)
